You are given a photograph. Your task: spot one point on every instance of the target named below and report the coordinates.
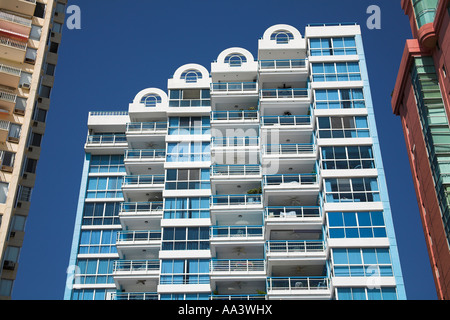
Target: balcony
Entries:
(239, 202)
(301, 217)
(298, 288)
(290, 181)
(229, 233)
(283, 64)
(285, 70)
(226, 269)
(106, 141)
(134, 296)
(12, 50)
(136, 267)
(9, 76)
(286, 122)
(284, 94)
(293, 150)
(234, 92)
(14, 26)
(235, 116)
(233, 172)
(144, 155)
(23, 6)
(139, 240)
(134, 215)
(238, 297)
(4, 130)
(281, 252)
(139, 185)
(147, 128)
(7, 101)
(235, 142)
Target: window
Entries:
(343, 127)
(30, 165)
(187, 179)
(189, 271)
(97, 241)
(53, 47)
(107, 163)
(188, 151)
(151, 100)
(104, 187)
(14, 131)
(425, 11)
(45, 91)
(186, 238)
(18, 223)
(7, 158)
(101, 213)
(89, 294)
(91, 271)
(189, 125)
(60, 7)
(24, 194)
(39, 114)
(383, 293)
(351, 190)
(186, 208)
(25, 77)
(35, 33)
(190, 98)
(339, 99)
(332, 46)
(50, 69)
(351, 157)
(30, 55)
(191, 76)
(356, 224)
(339, 71)
(11, 257)
(235, 59)
(282, 36)
(35, 139)
(3, 191)
(39, 11)
(365, 262)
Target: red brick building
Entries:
(422, 100)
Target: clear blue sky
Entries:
(124, 47)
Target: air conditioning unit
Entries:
(26, 86)
(9, 265)
(7, 168)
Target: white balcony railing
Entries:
(15, 19)
(241, 115)
(292, 212)
(147, 127)
(107, 139)
(267, 121)
(297, 284)
(290, 180)
(288, 93)
(131, 154)
(141, 207)
(237, 266)
(288, 149)
(296, 247)
(137, 180)
(235, 170)
(225, 87)
(138, 236)
(133, 266)
(224, 201)
(282, 64)
(135, 296)
(8, 97)
(219, 232)
(10, 70)
(235, 141)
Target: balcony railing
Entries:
(146, 127)
(290, 180)
(218, 232)
(236, 200)
(288, 149)
(293, 212)
(235, 141)
(237, 266)
(233, 87)
(286, 120)
(136, 265)
(135, 296)
(15, 19)
(235, 170)
(297, 283)
(238, 297)
(282, 64)
(8, 97)
(283, 93)
(188, 157)
(13, 43)
(145, 154)
(304, 246)
(143, 180)
(141, 236)
(10, 70)
(141, 207)
(241, 115)
(107, 139)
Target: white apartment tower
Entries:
(259, 180)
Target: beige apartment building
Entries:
(30, 35)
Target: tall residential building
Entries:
(421, 99)
(258, 179)
(30, 34)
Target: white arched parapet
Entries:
(151, 100)
(190, 75)
(235, 59)
(282, 36)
